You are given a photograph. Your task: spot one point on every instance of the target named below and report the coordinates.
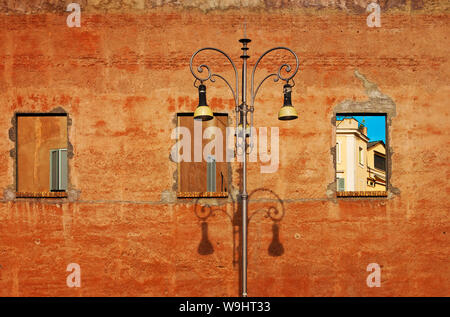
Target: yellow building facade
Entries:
(360, 164)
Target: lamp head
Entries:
(203, 111)
(287, 112)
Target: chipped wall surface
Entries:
(124, 74)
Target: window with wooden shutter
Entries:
(41, 155)
(206, 177)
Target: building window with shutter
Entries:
(200, 176)
(41, 155)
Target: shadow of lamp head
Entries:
(205, 247)
(275, 247)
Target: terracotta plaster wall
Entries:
(124, 74)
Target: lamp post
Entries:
(243, 130)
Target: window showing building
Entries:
(201, 175)
(41, 161)
(360, 155)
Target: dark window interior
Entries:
(380, 162)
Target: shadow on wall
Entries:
(272, 207)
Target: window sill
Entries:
(41, 194)
(202, 195)
(372, 193)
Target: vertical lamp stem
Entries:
(244, 194)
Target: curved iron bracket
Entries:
(210, 76)
(277, 75)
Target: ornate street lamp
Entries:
(204, 113)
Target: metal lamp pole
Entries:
(203, 112)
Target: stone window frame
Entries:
(71, 194)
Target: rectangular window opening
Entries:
(41, 155)
(198, 176)
(361, 155)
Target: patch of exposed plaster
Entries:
(378, 102)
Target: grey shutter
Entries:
(211, 174)
(58, 169)
(54, 159)
(63, 169)
(341, 184)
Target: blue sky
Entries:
(376, 126)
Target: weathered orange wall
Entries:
(122, 77)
